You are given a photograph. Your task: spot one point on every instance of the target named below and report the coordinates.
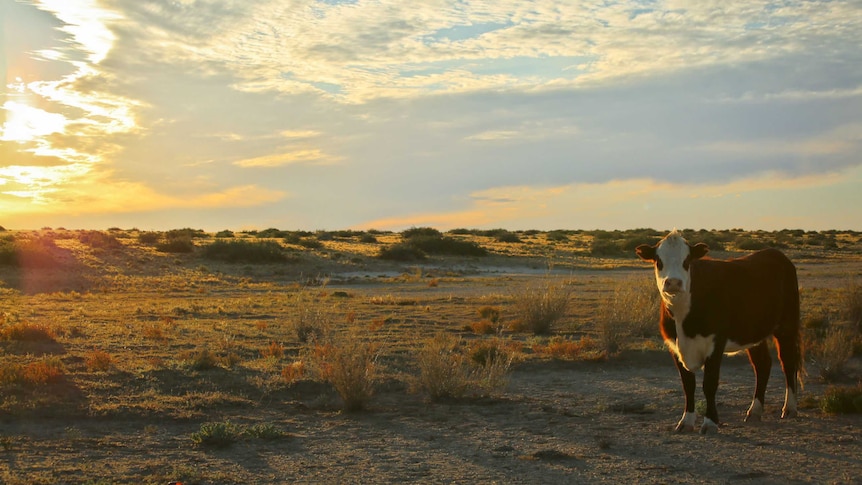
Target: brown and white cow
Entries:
(712, 307)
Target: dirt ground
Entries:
(607, 421)
(558, 422)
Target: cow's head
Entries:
(672, 257)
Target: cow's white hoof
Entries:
(708, 426)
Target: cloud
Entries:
(637, 203)
(311, 155)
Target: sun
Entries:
(25, 123)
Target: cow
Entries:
(711, 307)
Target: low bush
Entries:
(538, 308)
(149, 237)
(842, 400)
(449, 370)
(631, 310)
(243, 251)
(99, 240)
(349, 364)
(98, 361)
(217, 435)
(27, 332)
(176, 244)
(401, 252)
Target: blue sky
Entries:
(227, 114)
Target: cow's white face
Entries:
(672, 257)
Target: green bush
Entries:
(447, 245)
(243, 251)
(842, 400)
(401, 252)
(217, 435)
(99, 240)
(29, 253)
(605, 247)
(149, 237)
(420, 231)
(177, 244)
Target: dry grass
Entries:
(449, 369)
(629, 312)
(350, 363)
(537, 308)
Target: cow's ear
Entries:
(646, 252)
(699, 250)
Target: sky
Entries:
(389, 114)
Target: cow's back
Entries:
(740, 297)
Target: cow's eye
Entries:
(658, 264)
(686, 264)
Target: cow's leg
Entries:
(790, 355)
(711, 371)
(762, 364)
(688, 386)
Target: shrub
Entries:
(443, 371)
(850, 307)
(401, 252)
(46, 371)
(563, 348)
(746, 243)
(490, 313)
(293, 372)
(275, 350)
(176, 244)
(28, 253)
(99, 240)
(447, 245)
(224, 234)
(27, 332)
(98, 360)
(448, 370)
(484, 327)
(309, 243)
(242, 251)
(631, 310)
(833, 352)
(149, 237)
(538, 308)
(350, 365)
(605, 247)
(217, 435)
(420, 232)
(842, 399)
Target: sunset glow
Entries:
(353, 114)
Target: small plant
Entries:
(562, 348)
(833, 352)
(484, 327)
(842, 400)
(27, 332)
(243, 251)
(264, 431)
(275, 351)
(631, 310)
(46, 371)
(443, 371)
(99, 240)
(203, 359)
(537, 309)
(350, 364)
(149, 237)
(98, 361)
(448, 369)
(293, 373)
(217, 435)
(490, 313)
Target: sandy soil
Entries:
(558, 422)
